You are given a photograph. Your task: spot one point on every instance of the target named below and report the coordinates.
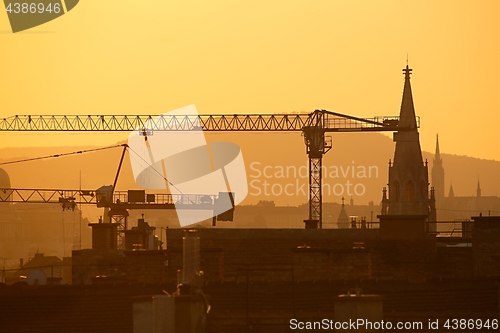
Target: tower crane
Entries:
(314, 127)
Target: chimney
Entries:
(104, 236)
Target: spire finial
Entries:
(407, 71)
(407, 59)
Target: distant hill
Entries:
(358, 159)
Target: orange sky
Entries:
(240, 56)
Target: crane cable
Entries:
(93, 150)
(159, 173)
(61, 155)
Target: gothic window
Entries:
(409, 191)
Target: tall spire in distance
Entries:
(478, 190)
(438, 174)
(437, 156)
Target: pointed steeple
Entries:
(438, 173)
(407, 113)
(478, 190)
(408, 175)
(452, 193)
(437, 155)
(407, 150)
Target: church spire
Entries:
(408, 192)
(407, 150)
(438, 174)
(407, 113)
(478, 190)
(437, 156)
(452, 193)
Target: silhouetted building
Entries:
(455, 207)
(408, 175)
(42, 270)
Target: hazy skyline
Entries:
(368, 151)
(260, 57)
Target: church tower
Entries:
(408, 175)
(438, 174)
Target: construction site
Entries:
(401, 266)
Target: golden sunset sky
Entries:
(255, 56)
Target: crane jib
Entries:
(330, 121)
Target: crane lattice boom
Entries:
(330, 121)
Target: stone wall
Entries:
(313, 264)
(302, 254)
(88, 264)
(455, 262)
(298, 254)
(146, 267)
